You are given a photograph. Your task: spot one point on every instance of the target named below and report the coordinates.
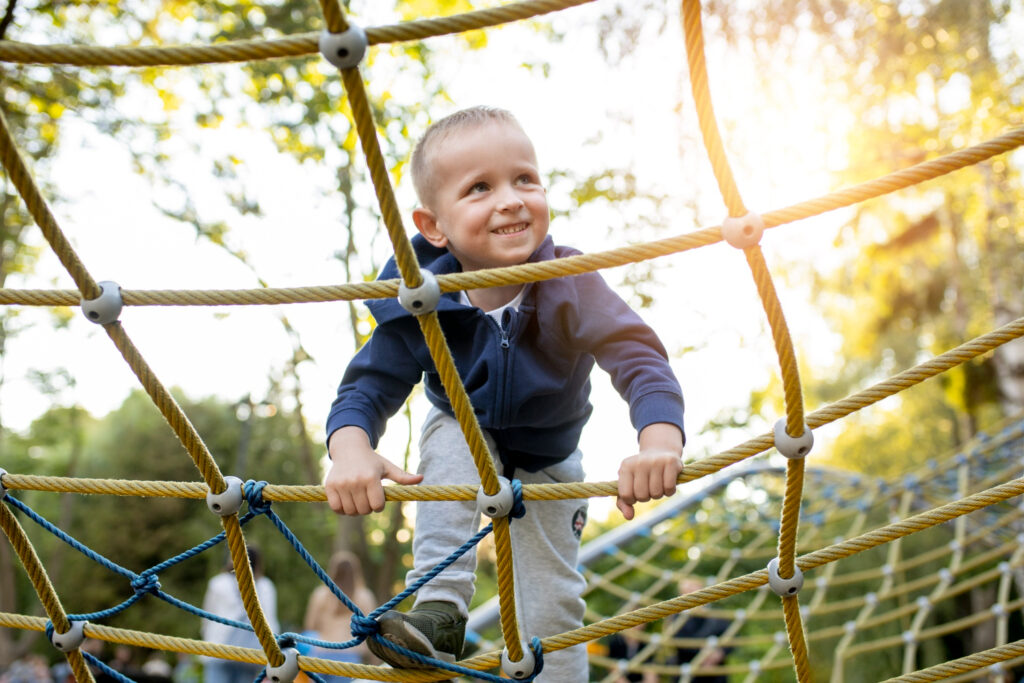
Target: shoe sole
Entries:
(395, 628)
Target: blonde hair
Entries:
(437, 132)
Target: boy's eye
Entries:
(479, 187)
(526, 179)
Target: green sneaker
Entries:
(432, 629)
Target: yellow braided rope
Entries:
(534, 272)
(169, 408)
(34, 568)
(366, 127)
(964, 664)
(154, 641)
(247, 588)
(783, 341)
(694, 35)
(833, 553)
(300, 45)
(790, 517)
(482, 458)
(44, 589)
(692, 471)
(334, 18)
(797, 640)
(408, 266)
(40, 212)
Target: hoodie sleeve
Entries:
(376, 383)
(601, 323)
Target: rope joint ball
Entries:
(423, 299)
(743, 232)
(497, 505)
(784, 588)
(523, 668)
(3, 490)
(70, 639)
(229, 501)
(288, 671)
(793, 447)
(346, 49)
(106, 308)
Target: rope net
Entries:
(767, 632)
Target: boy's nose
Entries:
(509, 200)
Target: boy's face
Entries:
(489, 208)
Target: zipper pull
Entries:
(506, 323)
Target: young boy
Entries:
(524, 353)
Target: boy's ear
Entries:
(426, 223)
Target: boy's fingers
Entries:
(400, 476)
(625, 508)
(626, 486)
(345, 504)
(375, 498)
(333, 499)
(642, 487)
(669, 476)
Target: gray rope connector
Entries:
(784, 588)
(229, 501)
(346, 49)
(70, 639)
(793, 447)
(743, 232)
(498, 505)
(106, 308)
(3, 491)
(521, 669)
(288, 670)
(422, 299)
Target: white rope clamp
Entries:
(498, 505)
(793, 447)
(784, 588)
(288, 671)
(70, 639)
(106, 308)
(346, 49)
(423, 299)
(521, 669)
(228, 501)
(743, 232)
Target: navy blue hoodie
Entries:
(527, 379)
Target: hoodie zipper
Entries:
(506, 330)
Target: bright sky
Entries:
(705, 299)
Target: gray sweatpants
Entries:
(545, 545)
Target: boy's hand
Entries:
(353, 482)
(651, 473)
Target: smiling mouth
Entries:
(510, 229)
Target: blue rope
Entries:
(253, 492)
(535, 646)
(74, 543)
(113, 673)
(441, 566)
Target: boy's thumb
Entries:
(400, 476)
